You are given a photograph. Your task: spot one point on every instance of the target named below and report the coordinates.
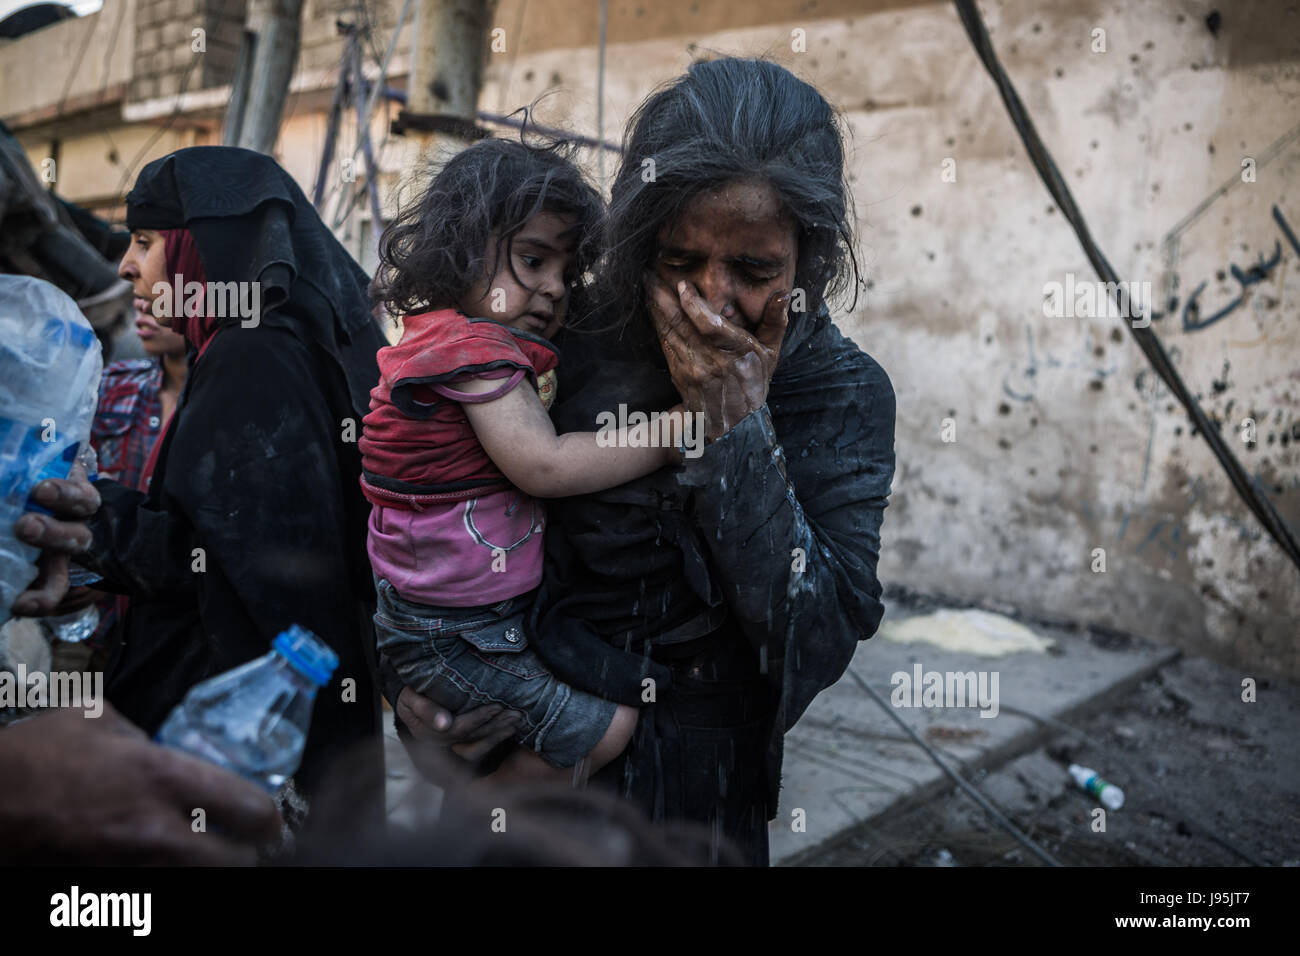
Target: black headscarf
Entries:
(252, 223)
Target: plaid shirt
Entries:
(127, 423)
(128, 420)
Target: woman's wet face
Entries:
(737, 244)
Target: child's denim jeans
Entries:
(467, 656)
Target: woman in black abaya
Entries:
(254, 518)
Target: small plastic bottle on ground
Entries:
(1089, 781)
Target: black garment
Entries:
(699, 750)
(254, 519)
(697, 565)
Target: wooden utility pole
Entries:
(447, 53)
(272, 29)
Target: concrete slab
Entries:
(847, 762)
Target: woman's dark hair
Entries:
(728, 120)
(440, 247)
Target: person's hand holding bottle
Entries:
(82, 789)
(60, 535)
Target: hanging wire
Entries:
(129, 174)
(1246, 487)
(600, 95)
(514, 55)
(349, 198)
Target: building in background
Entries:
(1041, 466)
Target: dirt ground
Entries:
(1209, 780)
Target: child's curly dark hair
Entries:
(442, 246)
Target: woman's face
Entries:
(156, 340)
(144, 266)
(737, 244)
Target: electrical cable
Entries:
(129, 175)
(514, 54)
(552, 132)
(993, 813)
(600, 94)
(79, 62)
(369, 27)
(342, 212)
(108, 52)
(76, 67)
(1246, 487)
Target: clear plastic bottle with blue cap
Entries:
(254, 719)
(79, 625)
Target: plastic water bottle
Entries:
(75, 627)
(253, 720)
(50, 363)
(1089, 781)
(79, 625)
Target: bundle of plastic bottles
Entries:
(50, 363)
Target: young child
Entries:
(458, 445)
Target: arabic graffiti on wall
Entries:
(1257, 273)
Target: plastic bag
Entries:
(50, 363)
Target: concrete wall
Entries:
(70, 66)
(96, 170)
(170, 57)
(1065, 443)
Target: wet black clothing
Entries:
(699, 567)
(692, 575)
(254, 519)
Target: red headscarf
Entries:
(183, 260)
(195, 324)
